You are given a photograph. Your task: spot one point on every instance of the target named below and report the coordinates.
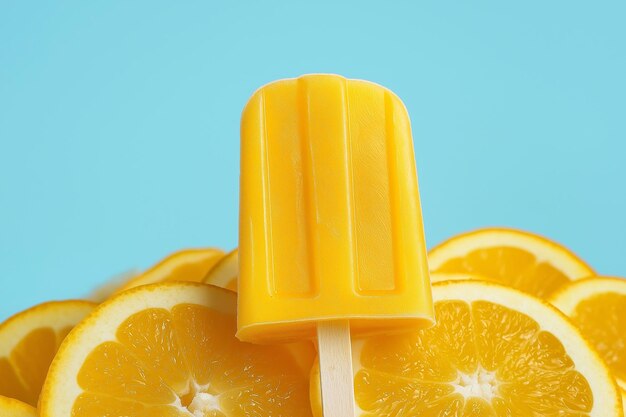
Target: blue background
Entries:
(119, 121)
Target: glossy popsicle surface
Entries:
(330, 219)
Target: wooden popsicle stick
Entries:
(337, 380)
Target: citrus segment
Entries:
(10, 407)
(225, 272)
(525, 261)
(170, 350)
(150, 337)
(186, 265)
(598, 307)
(28, 343)
(494, 351)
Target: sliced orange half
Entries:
(169, 350)
(186, 265)
(494, 352)
(522, 260)
(29, 341)
(10, 407)
(225, 272)
(598, 307)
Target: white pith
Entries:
(202, 403)
(482, 384)
(224, 271)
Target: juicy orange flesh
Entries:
(162, 359)
(511, 266)
(423, 373)
(602, 319)
(22, 373)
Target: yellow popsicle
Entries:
(331, 237)
(330, 219)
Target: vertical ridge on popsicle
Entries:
(412, 226)
(392, 172)
(371, 185)
(266, 190)
(287, 172)
(308, 185)
(328, 141)
(352, 221)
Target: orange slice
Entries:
(169, 350)
(495, 351)
(522, 260)
(186, 265)
(10, 407)
(598, 307)
(28, 342)
(225, 272)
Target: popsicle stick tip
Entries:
(337, 379)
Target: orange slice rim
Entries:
(502, 236)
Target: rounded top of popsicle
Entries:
(316, 77)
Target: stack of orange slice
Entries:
(160, 346)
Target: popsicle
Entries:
(331, 238)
